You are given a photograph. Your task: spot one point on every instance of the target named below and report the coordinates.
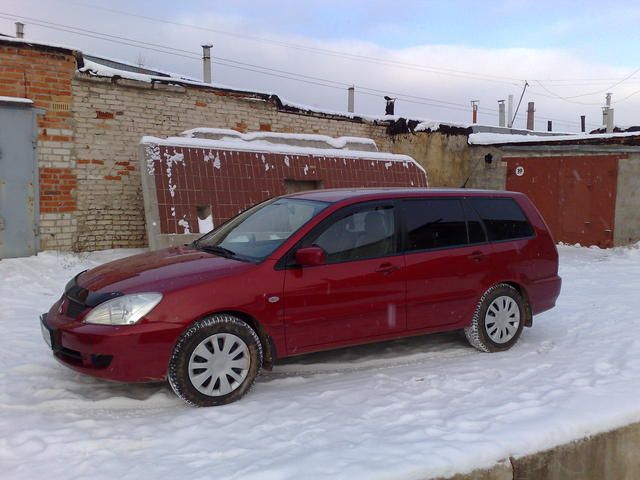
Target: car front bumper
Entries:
(131, 353)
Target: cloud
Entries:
(450, 76)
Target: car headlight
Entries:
(124, 310)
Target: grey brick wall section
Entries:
(111, 118)
(627, 220)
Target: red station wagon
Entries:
(306, 272)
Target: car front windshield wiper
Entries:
(225, 252)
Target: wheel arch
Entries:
(528, 320)
(268, 346)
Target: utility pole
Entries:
(549, 126)
(474, 111)
(510, 111)
(19, 30)
(524, 89)
(583, 123)
(501, 114)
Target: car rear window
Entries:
(502, 217)
(434, 223)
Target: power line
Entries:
(324, 51)
(244, 36)
(252, 67)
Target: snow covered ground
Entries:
(401, 410)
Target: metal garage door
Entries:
(575, 194)
(18, 179)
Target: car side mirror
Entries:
(309, 256)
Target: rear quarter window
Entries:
(502, 217)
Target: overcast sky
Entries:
(435, 56)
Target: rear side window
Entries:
(434, 223)
(503, 218)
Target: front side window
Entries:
(257, 232)
(434, 223)
(502, 217)
(367, 233)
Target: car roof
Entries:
(359, 194)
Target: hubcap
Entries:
(502, 319)
(219, 364)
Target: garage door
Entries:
(575, 194)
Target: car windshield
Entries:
(254, 234)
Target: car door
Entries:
(446, 259)
(359, 292)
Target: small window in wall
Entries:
(295, 186)
(502, 217)
(205, 218)
(434, 223)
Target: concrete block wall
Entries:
(445, 156)
(627, 220)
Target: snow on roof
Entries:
(15, 100)
(292, 139)
(235, 145)
(486, 138)
(434, 125)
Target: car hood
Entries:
(160, 271)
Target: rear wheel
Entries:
(498, 319)
(215, 361)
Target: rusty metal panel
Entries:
(575, 194)
(178, 181)
(19, 208)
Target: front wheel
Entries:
(215, 361)
(498, 319)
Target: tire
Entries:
(497, 311)
(215, 361)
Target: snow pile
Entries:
(14, 100)
(233, 144)
(295, 139)
(486, 138)
(407, 409)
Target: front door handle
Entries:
(386, 268)
(476, 256)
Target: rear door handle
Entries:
(387, 268)
(477, 256)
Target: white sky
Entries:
(450, 54)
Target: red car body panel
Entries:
(299, 310)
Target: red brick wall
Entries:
(56, 190)
(246, 178)
(44, 76)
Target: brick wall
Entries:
(112, 117)
(88, 137)
(44, 76)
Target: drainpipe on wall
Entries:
(19, 30)
(206, 63)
